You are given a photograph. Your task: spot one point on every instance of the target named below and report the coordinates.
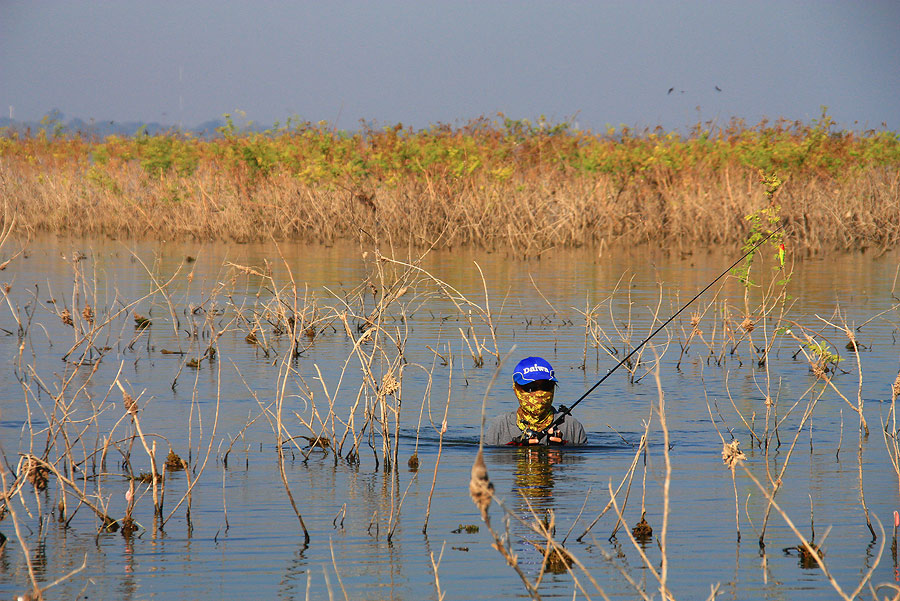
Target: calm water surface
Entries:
(242, 539)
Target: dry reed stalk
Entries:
(812, 551)
(667, 479)
(610, 559)
(863, 426)
(777, 482)
(108, 522)
(555, 553)
(893, 447)
(25, 552)
(816, 366)
(131, 408)
(642, 451)
(434, 568)
(440, 432)
(628, 477)
(731, 456)
(460, 301)
(461, 213)
(188, 470)
(282, 381)
(638, 547)
(696, 331)
(394, 517)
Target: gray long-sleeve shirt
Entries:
(503, 430)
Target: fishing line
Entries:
(563, 410)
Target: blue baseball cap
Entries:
(531, 369)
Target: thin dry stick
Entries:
(131, 407)
(108, 522)
(663, 537)
(441, 432)
(279, 440)
(545, 530)
(577, 517)
(19, 537)
(481, 491)
(621, 569)
(778, 481)
(629, 475)
(63, 578)
(862, 424)
(212, 435)
(812, 551)
(647, 563)
(731, 453)
(394, 518)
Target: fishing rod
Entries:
(563, 411)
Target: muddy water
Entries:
(241, 538)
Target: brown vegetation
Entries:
(512, 186)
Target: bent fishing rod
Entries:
(563, 411)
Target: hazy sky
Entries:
(420, 63)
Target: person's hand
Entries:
(554, 435)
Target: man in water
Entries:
(532, 424)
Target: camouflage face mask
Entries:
(535, 409)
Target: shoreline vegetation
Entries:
(497, 184)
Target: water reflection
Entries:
(296, 573)
(538, 474)
(534, 474)
(253, 551)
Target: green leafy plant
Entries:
(762, 223)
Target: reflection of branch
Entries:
(434, 566)
(812, 551)
(629, 474)
(19, 537)
(108, 522)
(62, 579)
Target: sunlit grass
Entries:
(498, 183)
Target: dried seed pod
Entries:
(818, 368)
(481, 489)
(747, 325)
(807, 559)
(695, 324)
(642, 531)
(66, 317)
(389, 384)
(732, 453)
(174, 463)
(130, 404)
(88, 314)
(36, 473)
(895, 387)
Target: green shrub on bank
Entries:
(317, 154)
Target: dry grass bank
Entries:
(492, 187)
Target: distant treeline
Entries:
(494, 183)
(56, 124)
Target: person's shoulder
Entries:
(574, 430)
(503, 418)
(498, 428)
